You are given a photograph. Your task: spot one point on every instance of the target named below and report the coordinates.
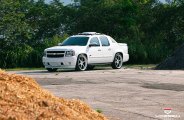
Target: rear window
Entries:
(104, 40)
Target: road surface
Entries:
(125, 94)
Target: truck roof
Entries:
(89, 34)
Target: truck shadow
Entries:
(34, 72)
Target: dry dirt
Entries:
(125, 94)
(21, 98)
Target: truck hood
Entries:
(65, 48)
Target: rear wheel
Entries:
(52, 69)
(118, 61)
(82, 63)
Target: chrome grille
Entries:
(55, 54)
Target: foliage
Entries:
(153, 30)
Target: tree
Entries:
(15, 30)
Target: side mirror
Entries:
(93, 44)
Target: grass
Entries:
(19, 69)
(99, 110)
(147, 66)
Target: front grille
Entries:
(55, 54)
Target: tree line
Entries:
(151, 29)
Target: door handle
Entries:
(99, 50)
(109, 49)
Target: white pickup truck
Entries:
(84, 51)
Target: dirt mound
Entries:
(21, 98)
(174, 62)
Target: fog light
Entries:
(48, 63)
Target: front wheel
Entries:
(118, 61)
(82, 63)
(52, 69)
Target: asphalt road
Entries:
(125, 94)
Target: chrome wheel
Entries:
(81, 63)
(118, 61)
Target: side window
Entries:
(104, 40)
(95, 40)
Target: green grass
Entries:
(99, 110)
(148, 66)
(19, 69)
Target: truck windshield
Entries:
(75, 41)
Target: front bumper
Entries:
(64, 62)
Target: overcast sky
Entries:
(68, 1)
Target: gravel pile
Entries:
(21, 98)
(174, 62)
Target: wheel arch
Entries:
(83, 54)
(118, 52)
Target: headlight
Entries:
(70, 53)
(44, 54)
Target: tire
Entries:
(82, 63)
(118, 61)
(52, 69)
(90, 67)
